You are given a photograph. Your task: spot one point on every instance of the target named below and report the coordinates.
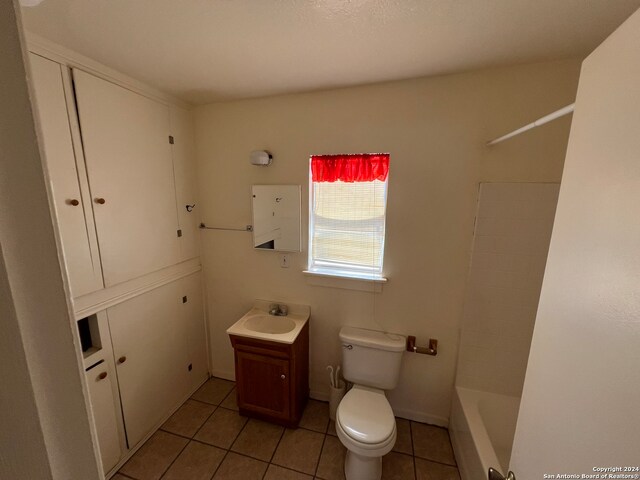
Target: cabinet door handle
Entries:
(73, 202)
(102, 376)
(283, 376)
(100, 200)
(122, 359)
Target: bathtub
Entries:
(482, 427)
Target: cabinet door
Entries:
(130, 170)
(73, 212)
(149, 341)
(193, 317)
(104, 414)
(263, 384)
(183, 151)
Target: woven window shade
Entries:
(347, 227)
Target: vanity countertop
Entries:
(258, 323)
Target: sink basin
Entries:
(257, 323)
(269, 324)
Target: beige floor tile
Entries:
(331, 466)
(155, 456)
(230, 401)
(403, 441)
(275, 472)
(315, 416)
(196, 462)
(435, 471)
(221, 429)
(432, 443)
(253, 442)
(188, 418)
(239, 467)
(213, 391)
(299, 450)
(397, 466)
(258, 439)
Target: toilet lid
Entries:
(366, 416)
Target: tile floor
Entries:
(207, 439)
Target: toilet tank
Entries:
(371, 358)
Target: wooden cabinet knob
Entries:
(101, 201)
(122, 359)
(73, 202)
(102, 376)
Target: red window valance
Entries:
(365, 167)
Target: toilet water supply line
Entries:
(541, 121)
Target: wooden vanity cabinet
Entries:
(272, 379)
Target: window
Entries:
(348, 198)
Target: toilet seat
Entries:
(365, 421)
(366, 449)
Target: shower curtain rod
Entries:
(541, 121)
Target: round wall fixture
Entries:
(261, 158)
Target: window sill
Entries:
(347, 282)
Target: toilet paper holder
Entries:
(432, 349)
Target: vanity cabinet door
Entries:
(130, 168)
(272, 378)
(72, 205)
(263, 384)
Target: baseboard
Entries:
(224, 375)
(319, 395)
(421, 417)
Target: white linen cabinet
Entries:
(120, 166)
(129, 164)
(72, 203)
(120, 187)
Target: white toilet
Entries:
(364, 419)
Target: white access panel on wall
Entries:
(73, 212)
(130, 169)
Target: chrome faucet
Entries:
(279, 310)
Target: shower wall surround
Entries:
(511, 241)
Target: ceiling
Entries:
(210, 50)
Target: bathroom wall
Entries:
(511, 241)
(580, 399)
(434, 129)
